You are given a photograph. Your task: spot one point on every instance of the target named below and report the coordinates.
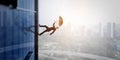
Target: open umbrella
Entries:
(60, 20)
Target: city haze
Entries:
(90, 30)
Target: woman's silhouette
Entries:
(48, 29)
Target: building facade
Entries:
(16, 42)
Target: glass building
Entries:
(16, 42)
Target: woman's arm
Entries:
(54, 24)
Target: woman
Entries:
(48, 29)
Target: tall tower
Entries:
(15, 40)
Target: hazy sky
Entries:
(77, 12)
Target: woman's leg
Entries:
(42, 32)
(43, 26)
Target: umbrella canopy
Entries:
(60, 20)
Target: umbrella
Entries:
(60, 20)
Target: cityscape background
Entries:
(101, 41)
(90, 30)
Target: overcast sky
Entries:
(79, 10)
(75, 13)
